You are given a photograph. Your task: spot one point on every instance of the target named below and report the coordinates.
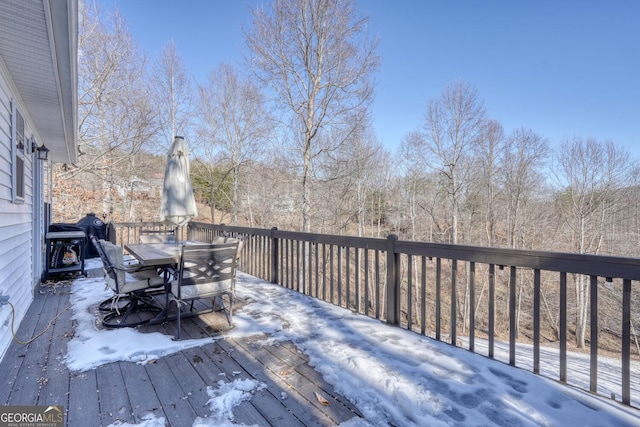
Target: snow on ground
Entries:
(394, 377)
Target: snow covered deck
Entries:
(173, 387)
(289, 360)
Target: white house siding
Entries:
(16, 273)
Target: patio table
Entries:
(165, 256)
(155, 254)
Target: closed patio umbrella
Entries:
(178, 204)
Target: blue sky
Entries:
(561, 68)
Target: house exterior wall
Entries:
(17, 274)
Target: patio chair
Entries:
(157, 236)
(132, 304)
(205, 271)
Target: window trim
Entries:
(18, 156)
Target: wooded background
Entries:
(286, 140)
(269, 149)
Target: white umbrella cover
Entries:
(178, 204)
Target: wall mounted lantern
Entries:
(43, 152)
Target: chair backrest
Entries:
(157, 236)
(112, 262)
(206, 270)
(225, 239)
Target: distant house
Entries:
(38, 108)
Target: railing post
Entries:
(393, 281)
(274, 256)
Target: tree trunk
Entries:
(306, 190)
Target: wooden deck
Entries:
(173, 387)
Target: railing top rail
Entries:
(347, 241)
(139, 224)
(598, 265)
(337, 240)
(233, 228)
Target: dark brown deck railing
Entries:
(405, 284)
(124, 233)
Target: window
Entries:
(18, 147)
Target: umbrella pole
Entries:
(175, 235)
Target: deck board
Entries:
(16, 353)
(192, 385)
(177, 410)
(31, 374)
(173, 387)
(113, 396)
(56, 386)
(83, 400)
(296, 359)
(306, 413)
(138, 384)
(285, 371)
(208, 369)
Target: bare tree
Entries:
(525, 153)
(173, 95)
(453, 122)
(236, 119)
(594, 177)
(489, 151)
(115, 113)
(317, 59)
(346, 181)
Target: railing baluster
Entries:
(492, 309)
(472, 306)
(282, 257)
(409, 291)
(303, 262)
(331, 276)
(348, 282)
(324, 272)
(593, 369)
(423, 297)
(536, 321)
(317, 269)
(377, 279)
(259, 250)
(266, 266)
(357, 279)
(438, 299)
(367, 296)
(454, 302)
(563, 327)
(255, 250)
(295, 266)
(309, 261)
(274, 256)
(287, 263)
(626, 342)
(339, 276)
(513, 321)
